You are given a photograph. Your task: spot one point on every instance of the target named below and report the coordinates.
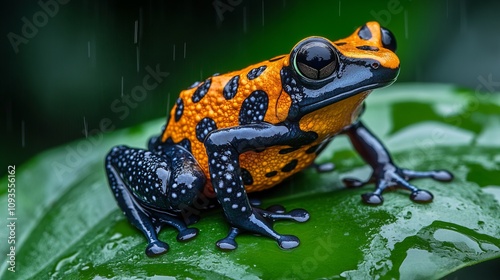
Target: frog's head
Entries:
(322, 72)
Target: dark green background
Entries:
(53, 89)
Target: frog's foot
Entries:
(156, 248)
(394, 177)
(261, 223)
(185, 233)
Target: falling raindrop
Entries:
(173, 53)
(122, 87)
(137, 54)
(136, 42)
(85, 127)
(339, 7)
(284, 3)
(136, 31)
(184, 49)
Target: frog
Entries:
(246, 131)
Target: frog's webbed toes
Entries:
(278, 212)
(156, 248)
(288, 241)
(372, 198)
(421, 196)
(438, 175)
(187, 234)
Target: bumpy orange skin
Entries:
(326, 122)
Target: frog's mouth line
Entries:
(341, 96)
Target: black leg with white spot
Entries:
(386, 174)
(153, 187)
(223, 148)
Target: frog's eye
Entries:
(388, 39)
(315, 59)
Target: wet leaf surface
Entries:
(68, 225)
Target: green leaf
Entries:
(68, 225)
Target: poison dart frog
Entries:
(248, 130)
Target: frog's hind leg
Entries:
(153, 188)
(135, 214)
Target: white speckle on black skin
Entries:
(256, 72)
(201, 91)
(204, 127)
(179, 109)
(254, 108)
(231, 88)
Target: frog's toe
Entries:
(187, 234)
(255, 202)
(299, 215)
(438, 175)
(442, 175)
(229, 243)
(421, 196)
(372, 198)
(156, 248)
(277, 212)
(288, 241)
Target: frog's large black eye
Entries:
(315, 59)
(388, 39)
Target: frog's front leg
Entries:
(152, 187)
(385, 173)
(223, 148)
